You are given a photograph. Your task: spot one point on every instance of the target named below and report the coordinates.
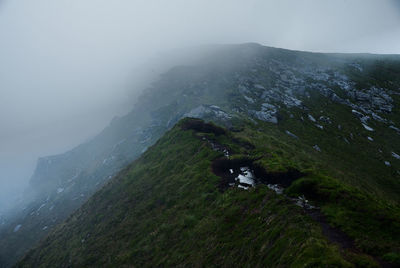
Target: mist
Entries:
(67, 67)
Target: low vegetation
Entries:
(165, 209)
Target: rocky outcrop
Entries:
(208, 111)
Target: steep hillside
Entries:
(341, 110)
(203, 196)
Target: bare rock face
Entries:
(268, 113)
(372, 100)
(204, 111)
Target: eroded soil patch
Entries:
(199, 125)
(235, 171)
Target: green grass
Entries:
(165, 209)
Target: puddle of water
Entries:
(246, 177)
(242, 174)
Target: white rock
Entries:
(370, 139)
(395, 155)
(249, 99)
(387, 163)
(311, 118)
(16, 229)
(357, 113)
(367, 127)
(60, 190)
(325, 119)
(291, 134)
(395, 128)
(316, 147)
(42, 205)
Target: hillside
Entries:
(337, 115)
(179, 204)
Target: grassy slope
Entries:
(349, 181)
(165, 209)
(336, 186)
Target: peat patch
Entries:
(244, 173)
(199, 125)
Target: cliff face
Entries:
(337, 105)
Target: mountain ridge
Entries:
(306, 96)
(151, 213)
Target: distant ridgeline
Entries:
(306, 170)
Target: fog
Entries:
(68, 66)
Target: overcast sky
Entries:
(68, 66)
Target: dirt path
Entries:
(334, 235)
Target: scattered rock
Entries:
(204, 111)
(16, 229)
(363, 118)
(258, 86)
(311, 118)
(316, 147)
(291, 134)
(367, 127)
(356, 66)
(268, 113)
(276, 188)
(249, 99)
(357, 113)
(395, 128)
(325, 119)
(60, 190)
(319, 126)
(301, 201)
(395, 155)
